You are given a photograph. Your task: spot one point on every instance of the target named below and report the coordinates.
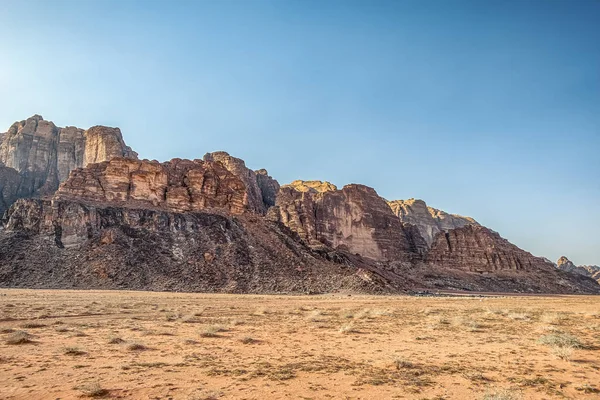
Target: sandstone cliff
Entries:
(44, 154)
(108, 220)
(354, 218)
(64, 244)
(261, 189)
(592, 271)
(176, 185)
(478, 249)
(430, 221)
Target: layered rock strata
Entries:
(354, 218)
(430, 221)
(44, 154)
(177, 185)
(476, 248)
(260, 187)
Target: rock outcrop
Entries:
(105, 219)
(177, 185)
(354, 219)
(65, 244)
(10, 188)
(260, 187)
(592, 271)
(429, 221)
(44, 154)
(476, 248)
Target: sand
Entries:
(145, 345)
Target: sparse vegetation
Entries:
(212, 331)
(19, 337)
(502, 394)
(92, 390)
(74, 351)
(561, 339)
(136, 346)
(348, 328)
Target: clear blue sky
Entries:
(483, 108)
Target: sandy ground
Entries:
(143, 345)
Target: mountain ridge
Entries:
(238, 229)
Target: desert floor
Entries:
(145, 345)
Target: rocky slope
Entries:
(216, 225)
(592, 271)
(430, 221)
(43, 155)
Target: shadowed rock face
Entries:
(478, 249)
(44, 154)
(354, 218)
(429, 221)
(64, 244)
(176, 185)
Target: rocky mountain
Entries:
(216, 225)
(43, 155)
(430, 221)
(592, 271)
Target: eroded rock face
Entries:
(430, 221)
(176, 185)
(10, 186)
(66, 244)
(260, 186)
(478, 249)
(268, 186)
(103, 143)
(44, 154)
(592, 271)
(354, 218)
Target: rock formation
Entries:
(592, 271)
(476, 248)
(176, 185)
(44, 154)
(105, 219)
(354, 218)
(64, 244)
(428, 220)
(260, 187)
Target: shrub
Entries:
(93, 390)
(19, 337)
(561, 339)
(348, 328)
(502, 394)
(136, 346)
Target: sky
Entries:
(483, 108)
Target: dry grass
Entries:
(93, 389)
(311, 347)
(19, 337)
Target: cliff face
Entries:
(478, 249)
(354, 218)
(108, 220)
(429, 221)
(44, 154)
(592, 271)
(64, 244)
(176, 185)
(261, 189)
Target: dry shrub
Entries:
(19, 337)
(348, 328)
(92, 390)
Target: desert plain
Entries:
(62, 344)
